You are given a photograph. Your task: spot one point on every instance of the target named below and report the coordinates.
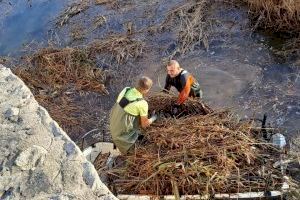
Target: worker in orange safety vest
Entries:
(183, 81)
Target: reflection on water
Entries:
(26, 21)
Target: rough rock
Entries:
(31, 157)
(37, 158)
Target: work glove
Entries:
(153, 117)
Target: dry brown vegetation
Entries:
(119, 47)
(190, 22)
(163, 103)
(201, 154)
(62, 80)
(280, 15)
(71, 11)
(100, 2)
(56, 69)
(193, 27)
(77, 33)
(56, 77)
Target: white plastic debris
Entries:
(279, 140)
(86, 152)
(285, 186)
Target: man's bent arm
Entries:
(184, 94)
(167, 85)
(145, 122)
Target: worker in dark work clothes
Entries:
(183, 81)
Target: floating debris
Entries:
(100, 2)
(99, 21)
(78, 33)
(71, 11)
(190, 22)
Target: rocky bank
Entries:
(37, 158)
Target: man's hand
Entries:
(153, 117)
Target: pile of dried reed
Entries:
(163, 104)
(280, 15)
(119, 47)
(199, 154)
(190, 24)
(55, 69)
(63, 79)
(57, 77)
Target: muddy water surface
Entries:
(241, 71)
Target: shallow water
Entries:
(24, 22)
(240, 69)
